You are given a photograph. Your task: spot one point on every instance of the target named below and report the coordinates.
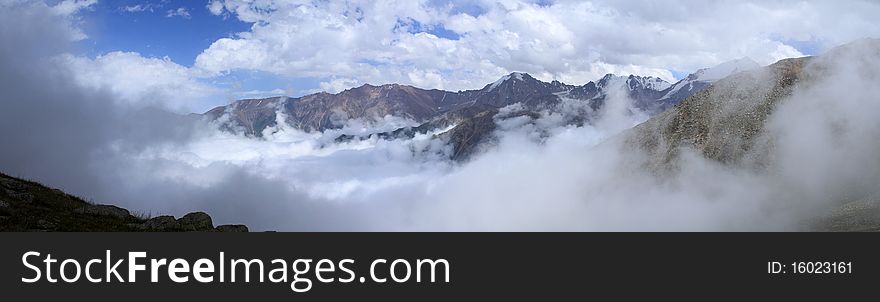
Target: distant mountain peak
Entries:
(703, 77)
(519, 75)
(609, 77)
(725, 69)
(633, 82)
(516, 76)
(648, 82)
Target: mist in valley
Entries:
(818, 150)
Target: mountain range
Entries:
(471, 114)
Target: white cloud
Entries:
(70, 7)
(250, 94)
(67, 10)
(136, 8)
(179, 12)
(215, 7)
(572, 41)
(338, 84)
(140, 80)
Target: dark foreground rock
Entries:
(28, 206)
(106, 210)
(192, 222)
(197, 221)
(232, 228)
(160, 223)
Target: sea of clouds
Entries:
(541, 175)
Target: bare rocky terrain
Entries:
(726, 123)
(470, 112)
(27, 206)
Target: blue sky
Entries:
(333, 45)
(151, 32)
(148, 28)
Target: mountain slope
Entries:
(729, 123)
(723, 120)
(321, 111)
(699, 80)
(29, 206)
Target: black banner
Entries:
(491, 266)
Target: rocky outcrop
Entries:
(192, 222)
(723, 121)
(106, 210)
(468, 136)
(232, 228)
(196, 221)
(29, 206)
(160, 223)
(726, 123)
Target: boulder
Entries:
(161, 224)
(196, 221)
(105, 210)
(232, 228)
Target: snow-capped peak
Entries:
(712, 74)
(517, 75)
(725, 69)
(633, 82)
(514, 75)
(610, 79)
(653, 83)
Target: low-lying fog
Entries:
(150, 160)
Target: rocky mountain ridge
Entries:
(469, 112)
(29, 206)
(727, 122)
(322, 111)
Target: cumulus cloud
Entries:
(141, 80)
(337, 85)
(70, 7)
(215, 7)
(571, 41)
